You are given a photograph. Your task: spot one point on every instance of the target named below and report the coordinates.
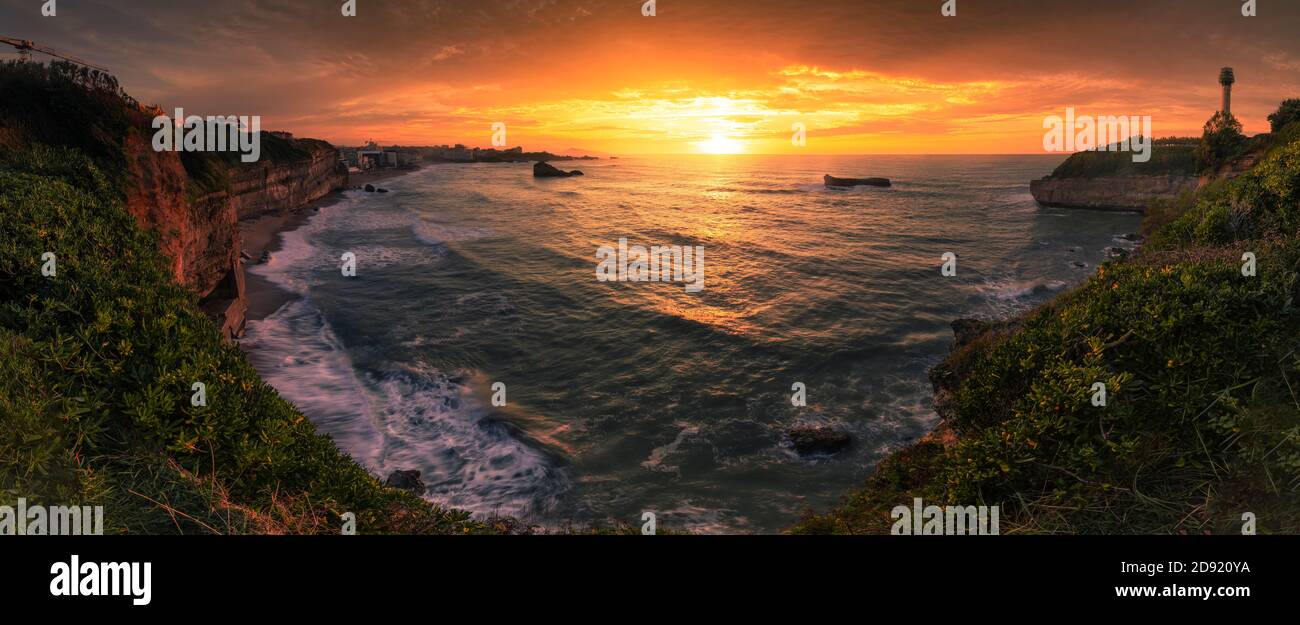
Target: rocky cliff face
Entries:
(1128, 193)
(201, 238)
(268, 187)
(201, 235)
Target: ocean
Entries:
(622, 398)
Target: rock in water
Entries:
(543, 169)
(370, 188)
(832, 181)
(406, 480)
(818, 439)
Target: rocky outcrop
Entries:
(818, 439)
(542, 169)
(1126, 193)
(408, 480)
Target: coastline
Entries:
(261, 235)
(370, 177)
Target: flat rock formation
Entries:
(1126, 193)
(832, 181)
(273, 187)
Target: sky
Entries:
(598, 76)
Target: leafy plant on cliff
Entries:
(1261, 203)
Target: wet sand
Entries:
(261, 234)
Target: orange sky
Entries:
(891, 76)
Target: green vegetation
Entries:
(97, 362)
(1287, 112)
(1202, 372)
(1169, 157)
(1263, 203)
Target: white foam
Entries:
(467, 460)
(395, 420)
(296, 352)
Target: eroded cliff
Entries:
(199, 231)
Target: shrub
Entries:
(1221, 141)
(1287, 112)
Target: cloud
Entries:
(598, 73)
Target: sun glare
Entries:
(720, 144)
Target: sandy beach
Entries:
(261, 234)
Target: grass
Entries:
(1169, 157)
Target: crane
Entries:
(26, 47)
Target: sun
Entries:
(719, 143)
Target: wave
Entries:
(467, 458)
(284, 267)
(399, 417)
(296, 352)
(1001, 298)
(403, 419)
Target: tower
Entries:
(1226, 79)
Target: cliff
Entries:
(1127, 193)
(294, 173)
(198, 221)
(193, 201)
(277, 186)
(98, 360)
(1111, 180)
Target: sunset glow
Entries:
(596, 76)
(720, 144)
